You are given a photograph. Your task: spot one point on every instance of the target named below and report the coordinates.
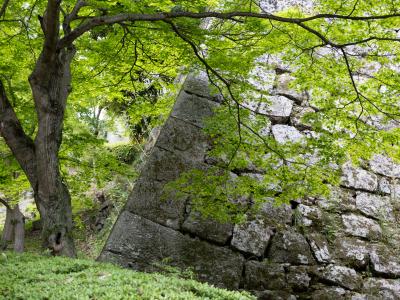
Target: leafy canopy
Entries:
(340, 52)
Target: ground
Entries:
(32, 276)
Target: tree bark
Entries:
(14, 228)
(51, 84)
(7, 235)
(19, 230)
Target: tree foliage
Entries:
(345, 54)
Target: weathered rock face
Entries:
(342, 247)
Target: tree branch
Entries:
(73, 15)
(5, 203)
(4, 8)
(50, 26)
(20, 144)
(132, 17)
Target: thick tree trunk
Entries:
(50, 83)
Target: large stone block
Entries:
(298, 278)
(286, 133)
(252, 237)
(278, 108)
(384, 165)
(385, 263)
(375, 206)
(193, 109)
(299, 114)
(360, 226)
(141, 244)
(264, 276)
(183, 139)
(388, 289)
(352, 252)
(207, 228)
(197, 84)
(290, 247)
(358, 178)
(165, 166)
(319, 247)
(148, 200)
(342, 276)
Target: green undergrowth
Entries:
(31, 276)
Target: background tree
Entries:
(159, 38)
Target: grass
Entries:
(32, 276)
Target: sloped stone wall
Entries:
(344, 247)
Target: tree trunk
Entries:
(14, 229)
(7, 235)
(19, 230)
(50, 83)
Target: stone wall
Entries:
(344, 247)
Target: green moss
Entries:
(31, 276)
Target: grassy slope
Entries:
(31, 276)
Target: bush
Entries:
(30, 276)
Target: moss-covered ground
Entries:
(33, 276)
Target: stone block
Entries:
(290, 247)
(342, 276)
(375, 206)
(360, 226)
(148, 200)
(385, 263)
(358, 178)
(278, 108)
(183, 139)
(264, 276)
(141, 244)
(197, 84)
(352, 252)
(298, 115)
(384, 165)
(319, 247)
(207, 228)
(298, 278)
(383, 288)
(252, 237)
(193, 109)
(286, 133)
